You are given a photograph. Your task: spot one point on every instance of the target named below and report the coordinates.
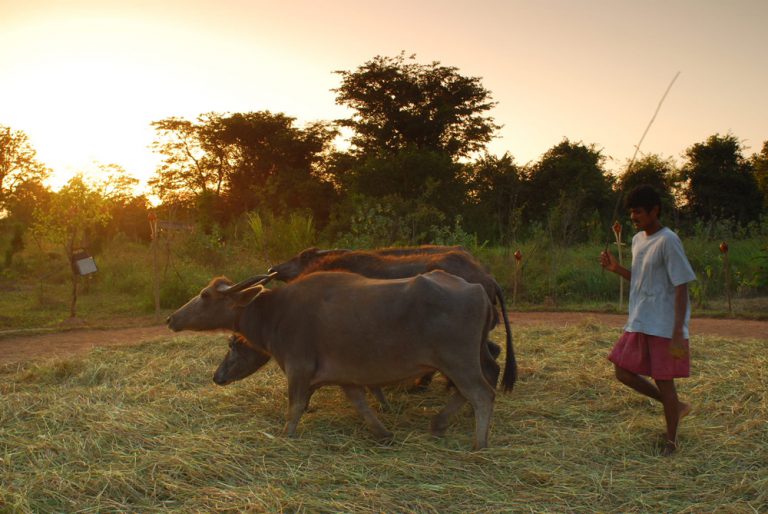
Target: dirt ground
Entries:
(24, 348)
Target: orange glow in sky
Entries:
(84, 78)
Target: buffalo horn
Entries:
(250, 282)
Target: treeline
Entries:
(414, 171)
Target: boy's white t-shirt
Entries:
(658, 265)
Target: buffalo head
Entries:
(241, 360)
(218, 305)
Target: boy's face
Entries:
(643, 219)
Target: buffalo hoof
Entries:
(385, 437)
(438, 427)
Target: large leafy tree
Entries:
(230, 164)
(274, 164)
(569, 183)
(128, 211)
(19, 166)
(497, 194)
(654, 171)
(411, 123)
(412, 174)
(720, 181)
(760, 166)
(399, 103)
(194, 162)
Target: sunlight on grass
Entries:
(143, 428)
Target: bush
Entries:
(277, 238)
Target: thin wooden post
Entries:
(155, 264)
(727, 272)
(617, 235)
(70, 248)
(518, 262)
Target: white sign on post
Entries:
(84, 263)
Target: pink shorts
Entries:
(649, 355)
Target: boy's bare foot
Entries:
(669, 448)
(683, 410)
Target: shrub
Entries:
(277, 238)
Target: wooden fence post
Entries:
(727, 272)
(617, 235)
(155, 265)
(518, 262)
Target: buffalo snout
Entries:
(172, 323)
(219, 379)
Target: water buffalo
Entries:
(297, 265)
(391, 263)
(345, 329)
(243, 358)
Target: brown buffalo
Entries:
(392, 263)
(345, 329)
(244, 358)
(296, 266)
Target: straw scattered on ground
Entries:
(144, 428)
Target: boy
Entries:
(655, 339)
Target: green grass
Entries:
(143, 429)
(37, 289)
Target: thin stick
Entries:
(653, 118)
(639, 143)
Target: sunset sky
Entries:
(84, 78)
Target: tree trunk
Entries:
(69, 249)
(73, 305)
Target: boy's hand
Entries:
(677, 347)
(608, 261)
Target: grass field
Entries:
(37, 288)
(144, 429)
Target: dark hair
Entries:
(644, 196)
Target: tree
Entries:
(127, 211)
(230, 164)
(411, 123)
(720, 181)
(18, 164)
(654, 171)
(411, 174)
(193, 163)
(497, 197)
(71, 213)
(275, 165)
(27, 197)
(570, 178)
(760, 167)
(399, 103)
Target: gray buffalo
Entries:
(345, 329)
(392, 263)
(244, 358)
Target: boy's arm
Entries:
(676, 347)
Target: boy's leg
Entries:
(638, 383)
(674, 410)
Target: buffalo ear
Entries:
(308, 254)
(246, 296)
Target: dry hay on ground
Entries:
(144, 429)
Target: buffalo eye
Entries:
(205, 295)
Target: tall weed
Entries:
(275, 238)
